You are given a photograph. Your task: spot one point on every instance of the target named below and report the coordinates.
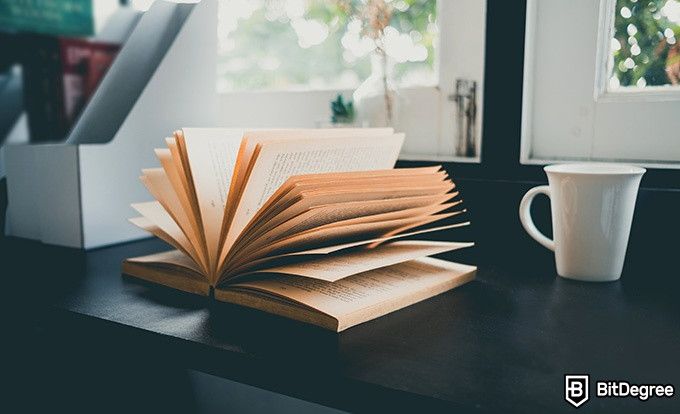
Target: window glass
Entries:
(321, 44)
(646, 44)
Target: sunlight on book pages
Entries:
(311, 224)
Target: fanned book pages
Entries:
(313, 225)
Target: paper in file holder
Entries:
(78, 193)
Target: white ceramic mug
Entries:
(592, 210)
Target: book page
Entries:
(154, 212)
(249, 150)
(184, 174)
(164, 155)
(339, 266)
(158, 184)
(171, 269)
(176, 176)
(346, 189)
(279, 160)
(211, 154)
(336, 215)
(296, 183)
(319, 251)
(331, 235)
(253, 138)
(160, 187)
(294, 201)
(168, 258)
(326, 208)
(146, 225)
(342, 215)
(369, 290)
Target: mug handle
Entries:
(528, 222)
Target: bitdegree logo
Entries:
(576, 390)
(623, 389)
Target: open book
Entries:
(307, 224)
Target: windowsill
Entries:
(439, 158)
(642, 163)
(344, 91)
(647, 94)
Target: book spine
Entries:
(84, 63)
(60, 75)
(41, 70)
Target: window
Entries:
(645, 46)
(281, 63)
(601, 82)
(319, 44)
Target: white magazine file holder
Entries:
(78, 193)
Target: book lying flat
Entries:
(313, 225)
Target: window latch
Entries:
(466, 117)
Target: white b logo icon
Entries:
(576, 389)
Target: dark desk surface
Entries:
(502, 342)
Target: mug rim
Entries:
(594, 168)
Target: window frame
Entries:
(503, 109)
(601, 95)
(430, 134)
(603, 69)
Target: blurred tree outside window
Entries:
(646, 44)
(319, 44)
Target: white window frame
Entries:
(605, 63)
(430, 134)
(599, 67)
